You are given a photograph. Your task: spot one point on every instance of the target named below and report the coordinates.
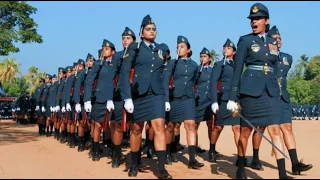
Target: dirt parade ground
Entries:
(23, 154)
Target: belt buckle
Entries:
(266, 69)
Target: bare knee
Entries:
(236, 129)
(274, 130)
(245, 132)
(170, 127)
(190, 125)
(286, 128)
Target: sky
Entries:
(70, 30)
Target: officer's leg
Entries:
(209, 125)
(81, 128)
(169, 136)
(256, 142)
(117, 137)
(107, 139)
(177, 137)
(72, 125)
(214, 136)
(63, 127)
(190, 126)
(96, 140)
(275, 134)
(135, 146)
(199, 149)
(158, 126)
(290, 143)
(245, 133)
(150, 141)
(48, 124)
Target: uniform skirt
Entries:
(48, 112)
(100, 112)
(182, 109)
(261, 111)
(148, 107)
(203, 111)
(118, 109)
(286, 112)
(224, 116)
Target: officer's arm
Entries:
(77, 86)
(215, 77)
(124, 81)
(89, 81)
(68, 90)
(60, 88)
(63, 101)
(166, 78)
(37, 96)
(290, 60)
(239, 63)
(40, 94)
(44, 94)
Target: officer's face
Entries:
(107, 52)
(183, 50)
(54, 80)
(278, 38)
(204, 59)
(258, 24)
(47, 80)
(149, 32)
(90, 63)
(61, 75)
(126, 41)
(228, 52)
(80, 67)
(69, 73)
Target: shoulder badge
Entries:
(126, 55)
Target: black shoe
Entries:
(164, 175)
(168, 160)
(174, 159)
(47, 134)
(195, 164)
(133, 171)
(142, 166)
(286, 177)
(109, 152)
(213, 158)
(81, 148)
(95, 156)
(115, 162)
(200, 151)
(179, 147)
(241, 174)
(256, 165)
(150, 153)
(300, 167)
(246, 163)
(72, 143)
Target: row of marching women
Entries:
(123, 90)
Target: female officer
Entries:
(259, 91)
(128, 37)
(147, 101)
(184, 72)
(105, 71)
(223, 72)
(283, 67)
(61, 83)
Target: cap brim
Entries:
(256, 15)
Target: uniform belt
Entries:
(261, 68)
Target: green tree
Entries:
(313, 68)
(9, 70)
(300, 91)
(16, 25)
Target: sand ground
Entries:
(23, 154)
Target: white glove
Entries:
(68, 107)
(87, 106)
(215, 108)
(54, 109)
(168, 107)
(51, 109)
(37, 108)
(63, 110)
(232, 106)
(43, 109)
(29, 110)
(57, 108)
(110, 105)
(128, 105)
(13, 110)
(18, 108)
(78, 108)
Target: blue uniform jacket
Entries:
(203, 86)
(283, 67)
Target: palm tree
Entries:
(302, 66)
(32, 79)
(214, 55)
(9, 69)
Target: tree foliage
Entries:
(16, 25)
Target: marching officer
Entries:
(51, 96)
(78, 101)
(222, 73)
(128, 37)
(258, 89)
(60, 124)
(68, 103)
(105, 71)
(45, 102)
(283, 67)
(38, 96)
(144, 62)
(181, 98)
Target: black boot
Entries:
(81, 144)
(96, 153)
(72, 140)
(300, 167)
(116, 156)
(212, 157)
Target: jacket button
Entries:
(186, 76)
(265, 64)
(185, 65)
(186, 71)
(250, 74)
(185, 82)
(265, 45)
(151, 71)
(152, 52)
(206, 92)
(266, 54)
(281, 70)
(280, 62)
(152, 65)
(153, 58)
